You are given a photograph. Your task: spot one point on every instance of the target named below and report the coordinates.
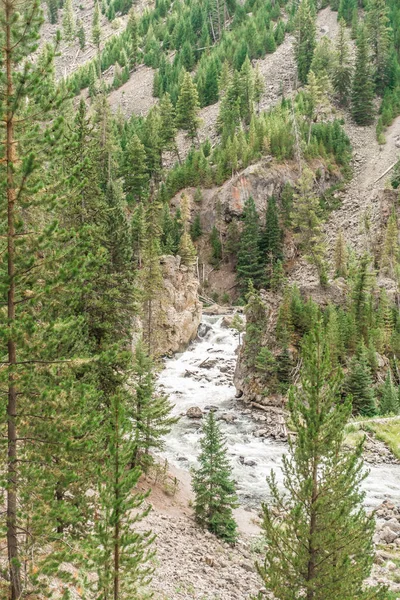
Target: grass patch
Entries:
(389, 433)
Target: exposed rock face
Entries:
(181, 306)
(261, 180)
(179, 312)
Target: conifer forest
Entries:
(200, 299)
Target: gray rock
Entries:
(228, 417)
(194, 412)
(248, 462)
(388, 536)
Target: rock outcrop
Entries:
(179, 311)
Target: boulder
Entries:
(228, 417)
(388, 536)
(194, 412)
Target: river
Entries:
(202, 376)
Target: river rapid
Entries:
(202, 376)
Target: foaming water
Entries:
(202, 377)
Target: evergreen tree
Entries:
(136, 179)
(96, 27)
(341, 256)
(138, 231)
(342, 71)
(256, 323)
(308, 228)
(187, 107)
(53, 6)
(213, 486)
(37, 281)
(68, 21)
(389, 404)
(362, 94)
(81, 35)
(346, 10)
(321, 546)
(246, 91)
(379, 35)
(259, 87)
(317, 98)
(132, 29)
(195, 228)
(249, 265)
(118, 553)
(358, 385)
(168, 129)
(210, 95)
(216, 246)
(151, 277)
(150, 411)
(271, 237)
(186, 249)
(305, 40)
(390, 254)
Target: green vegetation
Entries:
(321, 546)
(213, 486)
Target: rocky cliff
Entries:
(179, 310)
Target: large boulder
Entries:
(194, 412)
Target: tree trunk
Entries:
(117, 508)
(12, 539)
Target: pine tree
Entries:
(358, 385)
(119, 554)
(210, 95)
(308, 227)
(96, 27)
(186, 249)
(150, 411)
(195, 228)
(151, 277)
(389, 403)
(321, 545)
(81, 35)
(346, 10)
(271, 237)
(259, 87)
(341, 256)
(187, 107)
(316, 91)
(390, 254)
(246, 93)
(132, 29)
(53, 6)
(305, 41)
(379, 35)
(33, 285)
(213, 486)
(68, 21)
(249, 265)
(136, 179)
(342, 70)
(362, 94)
(168, 128)
(138, 231)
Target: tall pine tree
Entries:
(321, 546)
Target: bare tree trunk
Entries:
(117, 506)
(12, 539)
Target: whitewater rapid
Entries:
(202, 377)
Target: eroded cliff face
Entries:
(222, 205)
(179, 309)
